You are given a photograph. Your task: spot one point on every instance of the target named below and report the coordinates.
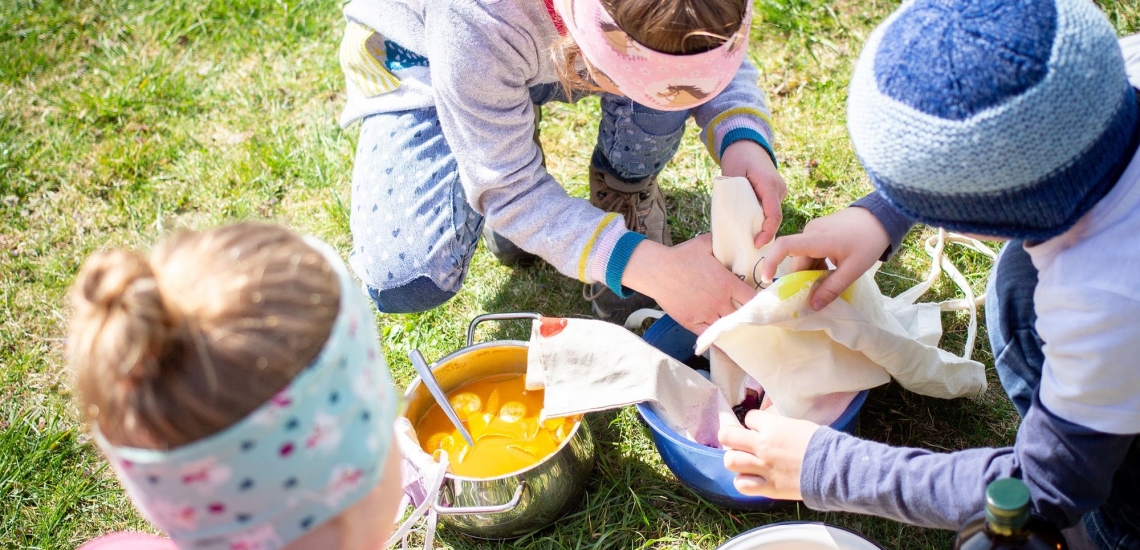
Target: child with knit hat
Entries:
(1014, 120)
(234, 381)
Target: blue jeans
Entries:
(414, 232)
(1018, 359)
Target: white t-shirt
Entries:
(1088, 306)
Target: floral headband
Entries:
(307, 454)
(659, 80)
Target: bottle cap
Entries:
(1007, 503)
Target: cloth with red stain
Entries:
(586, 365)
(812, 363)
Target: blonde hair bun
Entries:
(117, 299)
(172, 348)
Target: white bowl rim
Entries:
(757, 534)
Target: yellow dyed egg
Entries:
(794, 283)
(512, 411)
(502, 417)
(465, 404)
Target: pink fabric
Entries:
(659, 80)
(129, 541)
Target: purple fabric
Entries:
(1068, 469)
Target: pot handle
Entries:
(495, 317)
(444, 510)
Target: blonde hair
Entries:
(177, 346)
(678, 27)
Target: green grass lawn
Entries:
(121, 120)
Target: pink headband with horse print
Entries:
(658, 80)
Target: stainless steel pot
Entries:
(520, 502)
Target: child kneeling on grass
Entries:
(234, 382)
(448, 91)
(1014, 120)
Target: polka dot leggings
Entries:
(413, 231)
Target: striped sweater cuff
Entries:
(730, 126)
(603, 248)
(589, 250)
(619, 258)
(738, 134)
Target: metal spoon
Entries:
(432, 384)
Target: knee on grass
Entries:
(419, 294)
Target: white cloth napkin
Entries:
(586, 365)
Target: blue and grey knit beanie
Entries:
(1006, 118)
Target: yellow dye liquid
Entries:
(795, 283)
(502, 417)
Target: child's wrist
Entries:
(746, 156)
(750, 138)
(644, 266)
(618, 264)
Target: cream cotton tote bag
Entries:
(804, 358)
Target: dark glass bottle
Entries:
(1006, 522)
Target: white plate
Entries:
(799, 536)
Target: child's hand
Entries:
(768, 457)
(687, 281)
(852, 238)
(746, 158)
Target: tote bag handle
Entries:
(936, 249)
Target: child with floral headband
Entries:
(448, 95)
(234, 382)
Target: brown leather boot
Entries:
(643, 207)
(641, 203)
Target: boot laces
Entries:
(634, 207)
(591, 291)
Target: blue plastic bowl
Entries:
(701, 468)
